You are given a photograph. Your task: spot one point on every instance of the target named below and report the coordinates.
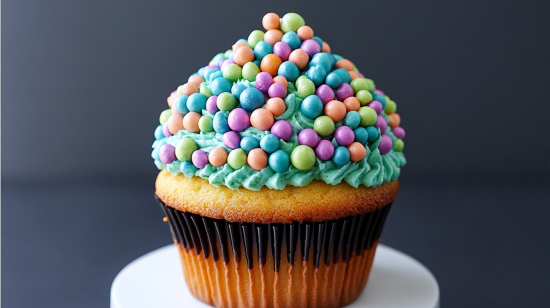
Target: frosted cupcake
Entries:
(279, 163)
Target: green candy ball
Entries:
(185, 148)
(254, 37)
(237, 158)
(398, 145)
(391, 106)
(359, 84)
(364, 97)
(165, 115)
(232, 72)
(249, 71)
(368, 116)
(299, 80)
(302, 157)
(226, 101)
(228, 54)
(324, 125)
(372, 87)
(291, 22)
(206, 124)
(306, 88)
(204, 90)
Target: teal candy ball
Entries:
(352, 119)
(220, 85)
(196, 102)
(361, 135)
(341, 156)
(312, 106)
(269, 143)
(317, 74)
(279, 161)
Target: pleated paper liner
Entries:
(319, 264)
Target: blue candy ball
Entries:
(158, 133)
(292, 39)
(180, 104)
(312, 106)
(251, 99)
(322, 59)
(237, 89)
(318, 40)
(279, 161)
(341, 156)
(214, 76)
(220, 85)
(381, 98)
(201, 71)
(317, 74)
(333, 80)
(242, 40)
(352, 119)
(262, 49)
(196, 102)
(248, 143)
(257, 62)
(210, 71)
(343, 74)
(361, 135)
(269, 143)
(373, 133)
(188, 169)
(220, 122)
(289, 70)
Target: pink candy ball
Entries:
(199, 159)
(225, 63)
(238, 120)
(344, 91)
(377, 91)
(399, 132)
(325, 93)
(324, 150)
(277, 90)
(263, 81)
(311, 47)
(211, 106)
(377, 106)
(231, 139)
(282, 129)
(308, 137)
(282, 50)
(385, 144)
(381, 123)
(344, 135)
(167, 153)
(165, 131)
(361, 75)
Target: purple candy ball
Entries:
(263, 81)
(377, 106)
(211, 106)
(238, 119)
(211, 66)
(282, 129)
(225, 63)
(166, 130)
(282, 50)
(308, 137)
(385, 144)
(344, 91)
(399, 132)
(361, 75)
(325, 93)
(277, 90)
(232, 140)
(324, 150)
(382, 124)
(311, 47)
(167, 153)
(199, 158)
(378, 92)
(344, 135)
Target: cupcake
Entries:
(278, 166)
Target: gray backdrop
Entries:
(84, 82)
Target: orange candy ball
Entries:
(217, 157)
(191, 122)
(395, 120)
(305, 33)
(175, 123)
(243, 55)
(299, 57)
(273, 36)
(196, 80)
(282, 80)
(261, 119)
(276, 106)
(345, 64)
(170, 99)
(188, 89)
(335, 110)
(354, 75)
(352, 104)
(326, 47)
(356, 151)
(238, 45)
(257, 159)
(271, 21)
(270, 64)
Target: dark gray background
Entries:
(84, 82)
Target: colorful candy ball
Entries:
(324, 126)
(368, 116)
(167, 153)
(336, 110)
(211, 104)
(357, 151)
(361, 135)
(251, 99)
(325, 93)
(250, 70)
(341, 156)
(399, 145)
(279, 161)
(185, 148)
(292, 22)
(282, 50)
(191, 122)
(196, 102)
(344, 135)
(248, 143)
(373, 133)
(175, 123)
(273, 36)
(261, 119)
(270, 64)
(206, 124)
(385, 144)
(308, 137)
(344, 91)
(226, 101)
(324, 150)
(276, 106)
(399, 132)
(277, 90)
(381, 123)
(311, 47)
(271, 21)
(257, 159)
(312, 106)
(282, 129)
(220, 122)
(199, 159)
(302, 157)
(377, 106)
(269, 143)
(263, 81)
(217, 157)
(231, 139)
(236, 159)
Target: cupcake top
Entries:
(280, 109)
